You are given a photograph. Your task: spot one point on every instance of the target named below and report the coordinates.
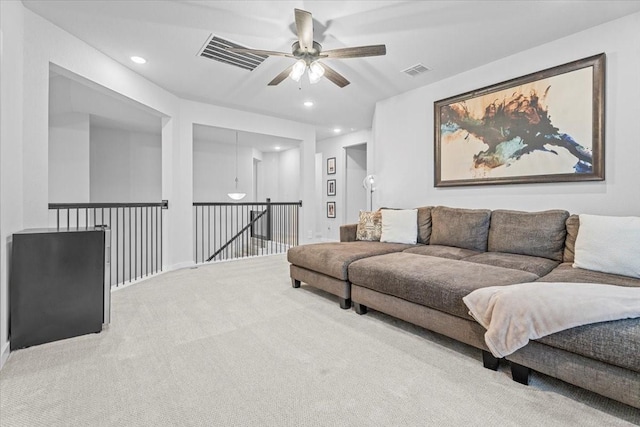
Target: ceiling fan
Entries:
(309, 53)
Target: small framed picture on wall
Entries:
(331, 187)
(331, 165)
(331, 209)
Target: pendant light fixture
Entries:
(236, 195)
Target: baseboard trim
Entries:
(180, 265)
(4, 354)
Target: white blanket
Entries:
(515, 314)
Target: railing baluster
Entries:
(112, 263)
(135, 242)
(129, 233)
(122, 231)
(246, 228)
(146, 241)
(117, 231)
(202, 239)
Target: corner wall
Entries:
(329, 228)
(404, 137)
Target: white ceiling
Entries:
(448, 37)
(69, 94)
(261, 142)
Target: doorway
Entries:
(355, 172)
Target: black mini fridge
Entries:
(57, 286)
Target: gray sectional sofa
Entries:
(460, 250)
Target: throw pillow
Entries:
(399, 226)
(609, 244)
(369, 226)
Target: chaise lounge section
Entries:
(461, 250)
(325, 265)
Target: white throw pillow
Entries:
(609, 244)
(399, 226)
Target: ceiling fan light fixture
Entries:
(316, 71)
(298, 70)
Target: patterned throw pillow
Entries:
(369, 226)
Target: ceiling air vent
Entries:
(214, 49)
(416, 70)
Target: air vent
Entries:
(415, 70)
(214, 49)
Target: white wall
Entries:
(214, 171)
(355, 193)
(329, 228)
(125, 166)
(403, 132)
(11, 157)
(289, 176)
(69, 140)
(279, 176)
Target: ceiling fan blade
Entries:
(334, 77)
(356, 52)
(280, 77)
(258, 52)
(304, 25)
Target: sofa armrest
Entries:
(348, 232)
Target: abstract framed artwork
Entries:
(546, 126)
(331, 187)
(331, 166)
(331, 209)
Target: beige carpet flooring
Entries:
(233, 344)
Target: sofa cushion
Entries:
(424, 224)
(573, 225)
(536, 265)
(348, 232)
(616, 342)
(540, 234)
(399, 226)
(333, 258)
(463, 228)
(437, 283)
(566, 273)
(609, 244)
(369, 226)
(450, 252)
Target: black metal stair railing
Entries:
(136, 234)
(229, 230)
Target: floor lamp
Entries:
(369, 183)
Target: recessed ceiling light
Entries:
(277, 148)
(308, 103)
(337, 130)
(138, 59)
